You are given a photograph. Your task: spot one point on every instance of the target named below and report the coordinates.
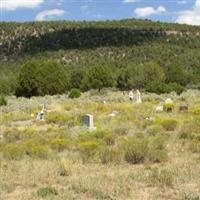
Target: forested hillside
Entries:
(127, 47)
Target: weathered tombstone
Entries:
(88, 121)
(159, 108)
(169, 101)
(40, 116)
(168, 105)
(131, 95)
(113, 114)
(138, 97)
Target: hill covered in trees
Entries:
(139, 53)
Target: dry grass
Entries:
(63, 174)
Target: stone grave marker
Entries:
(40, 116)
(159, 108)
(138, 97)
(88, 121)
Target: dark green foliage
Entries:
(160, 87)
(3, 101)
(137, 76)
(27, 80)
(157, 87)
(41, 78)
(74, 93)
(176, 88)
(76, 78)
(98, 77)
(47, 191)
(8, 85)
(177, 74)
(136, 52)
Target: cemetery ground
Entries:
(135, 152)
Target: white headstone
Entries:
(168, 101)
(159, 108)
(138, 97)
(131, 95)
(1, 137)
(88, 121)
(40, 116)
(113, 114)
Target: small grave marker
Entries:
(40, 116)
(138, 97)
(159, 108)
(88, 121)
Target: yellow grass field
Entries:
(139, 154)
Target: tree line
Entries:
(50, 78)
(126, 48)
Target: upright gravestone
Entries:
(138, 97)
(40, 116)
(88, 122)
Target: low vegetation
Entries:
(138, 146)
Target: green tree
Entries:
(98, 77)
(51, 79)
(76, 78)
(41, 78)
(138, 76)
(27, 80)
(177, 74)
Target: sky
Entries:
(179, 11)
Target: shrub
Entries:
(196, 111)
(35, 149)
(168, 124)
(95, 135)
(176, 88)
(139, 150)
(194, 146)
(109, 139)
(191, 196)
(98, 77)
(136, 150)
(168, 107)
(140, 75)
(89, 149)
(65, 167)
(154, 130)
(121, 129)
(12, 135)
(55, 117)
(110, 155)
(47, 191)
(156, 149)
(161, 177)
(187, 131)
(41, 78)
(158, 87)
(74, 93)
(13, 151)
(3, 101)
(59, 144)
(39, 152)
